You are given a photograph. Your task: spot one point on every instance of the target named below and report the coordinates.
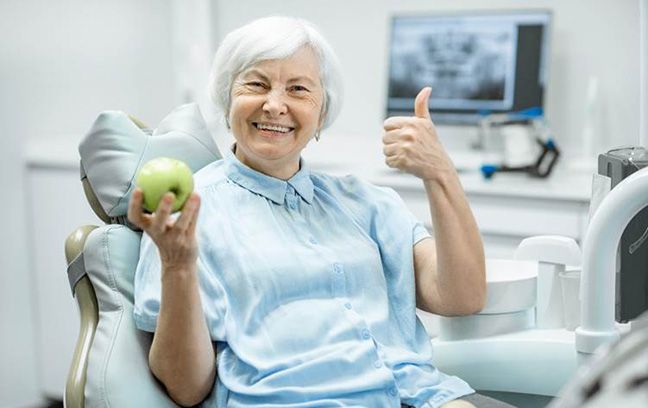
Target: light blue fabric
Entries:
(308, 285)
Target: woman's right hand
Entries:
(182, 355)
(175, 239)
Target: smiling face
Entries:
(276, 108)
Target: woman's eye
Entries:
(299, 88)
(256, 84)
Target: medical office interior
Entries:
(528, 153)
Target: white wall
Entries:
(61, 63)
(590, 38)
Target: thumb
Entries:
(421, 109)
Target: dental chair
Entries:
(110, 361)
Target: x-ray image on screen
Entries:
(474, 63)
(465, 65)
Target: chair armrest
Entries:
(84, 294)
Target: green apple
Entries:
(161, 175)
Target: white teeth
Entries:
(274, 128)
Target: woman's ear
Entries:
(322, 116)
(320, 122)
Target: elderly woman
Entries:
(292, 288)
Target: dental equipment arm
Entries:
(599, 260)
(552, 253)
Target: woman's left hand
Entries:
(411, 143)
(449, 271)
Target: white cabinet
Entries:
(510, 207)
(505, 220)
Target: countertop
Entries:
(561, 185)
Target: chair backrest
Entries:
(117, 373)
(110, 363)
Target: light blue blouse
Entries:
(308, 286)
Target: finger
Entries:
(163, 211)
(188, 213)
(391, 149)
(135, 213)
(391, 161)
(421, 109)
(191, 230)
(392, 136)
(396, 122)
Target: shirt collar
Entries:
(268, 186)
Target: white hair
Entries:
(272, 38)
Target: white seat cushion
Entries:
(118, 374)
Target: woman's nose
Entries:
(275, 103)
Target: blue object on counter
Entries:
(530, 113)
(488, 170)
(541, 168)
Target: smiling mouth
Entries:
(267, 127)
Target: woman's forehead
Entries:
(302, 65)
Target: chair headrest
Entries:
(116, 147)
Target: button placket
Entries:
(291, 197)
(365, 334)
(339, 284)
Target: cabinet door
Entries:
(524, 216)
(57, 206)
(504, 221)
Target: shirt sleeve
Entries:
(148, 290)
(147, 286)
(419, 231)
(393, 214)
(382, 211)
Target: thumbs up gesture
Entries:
(411, 143)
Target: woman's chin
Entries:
(271, 151)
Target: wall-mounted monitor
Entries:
(476, 63)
